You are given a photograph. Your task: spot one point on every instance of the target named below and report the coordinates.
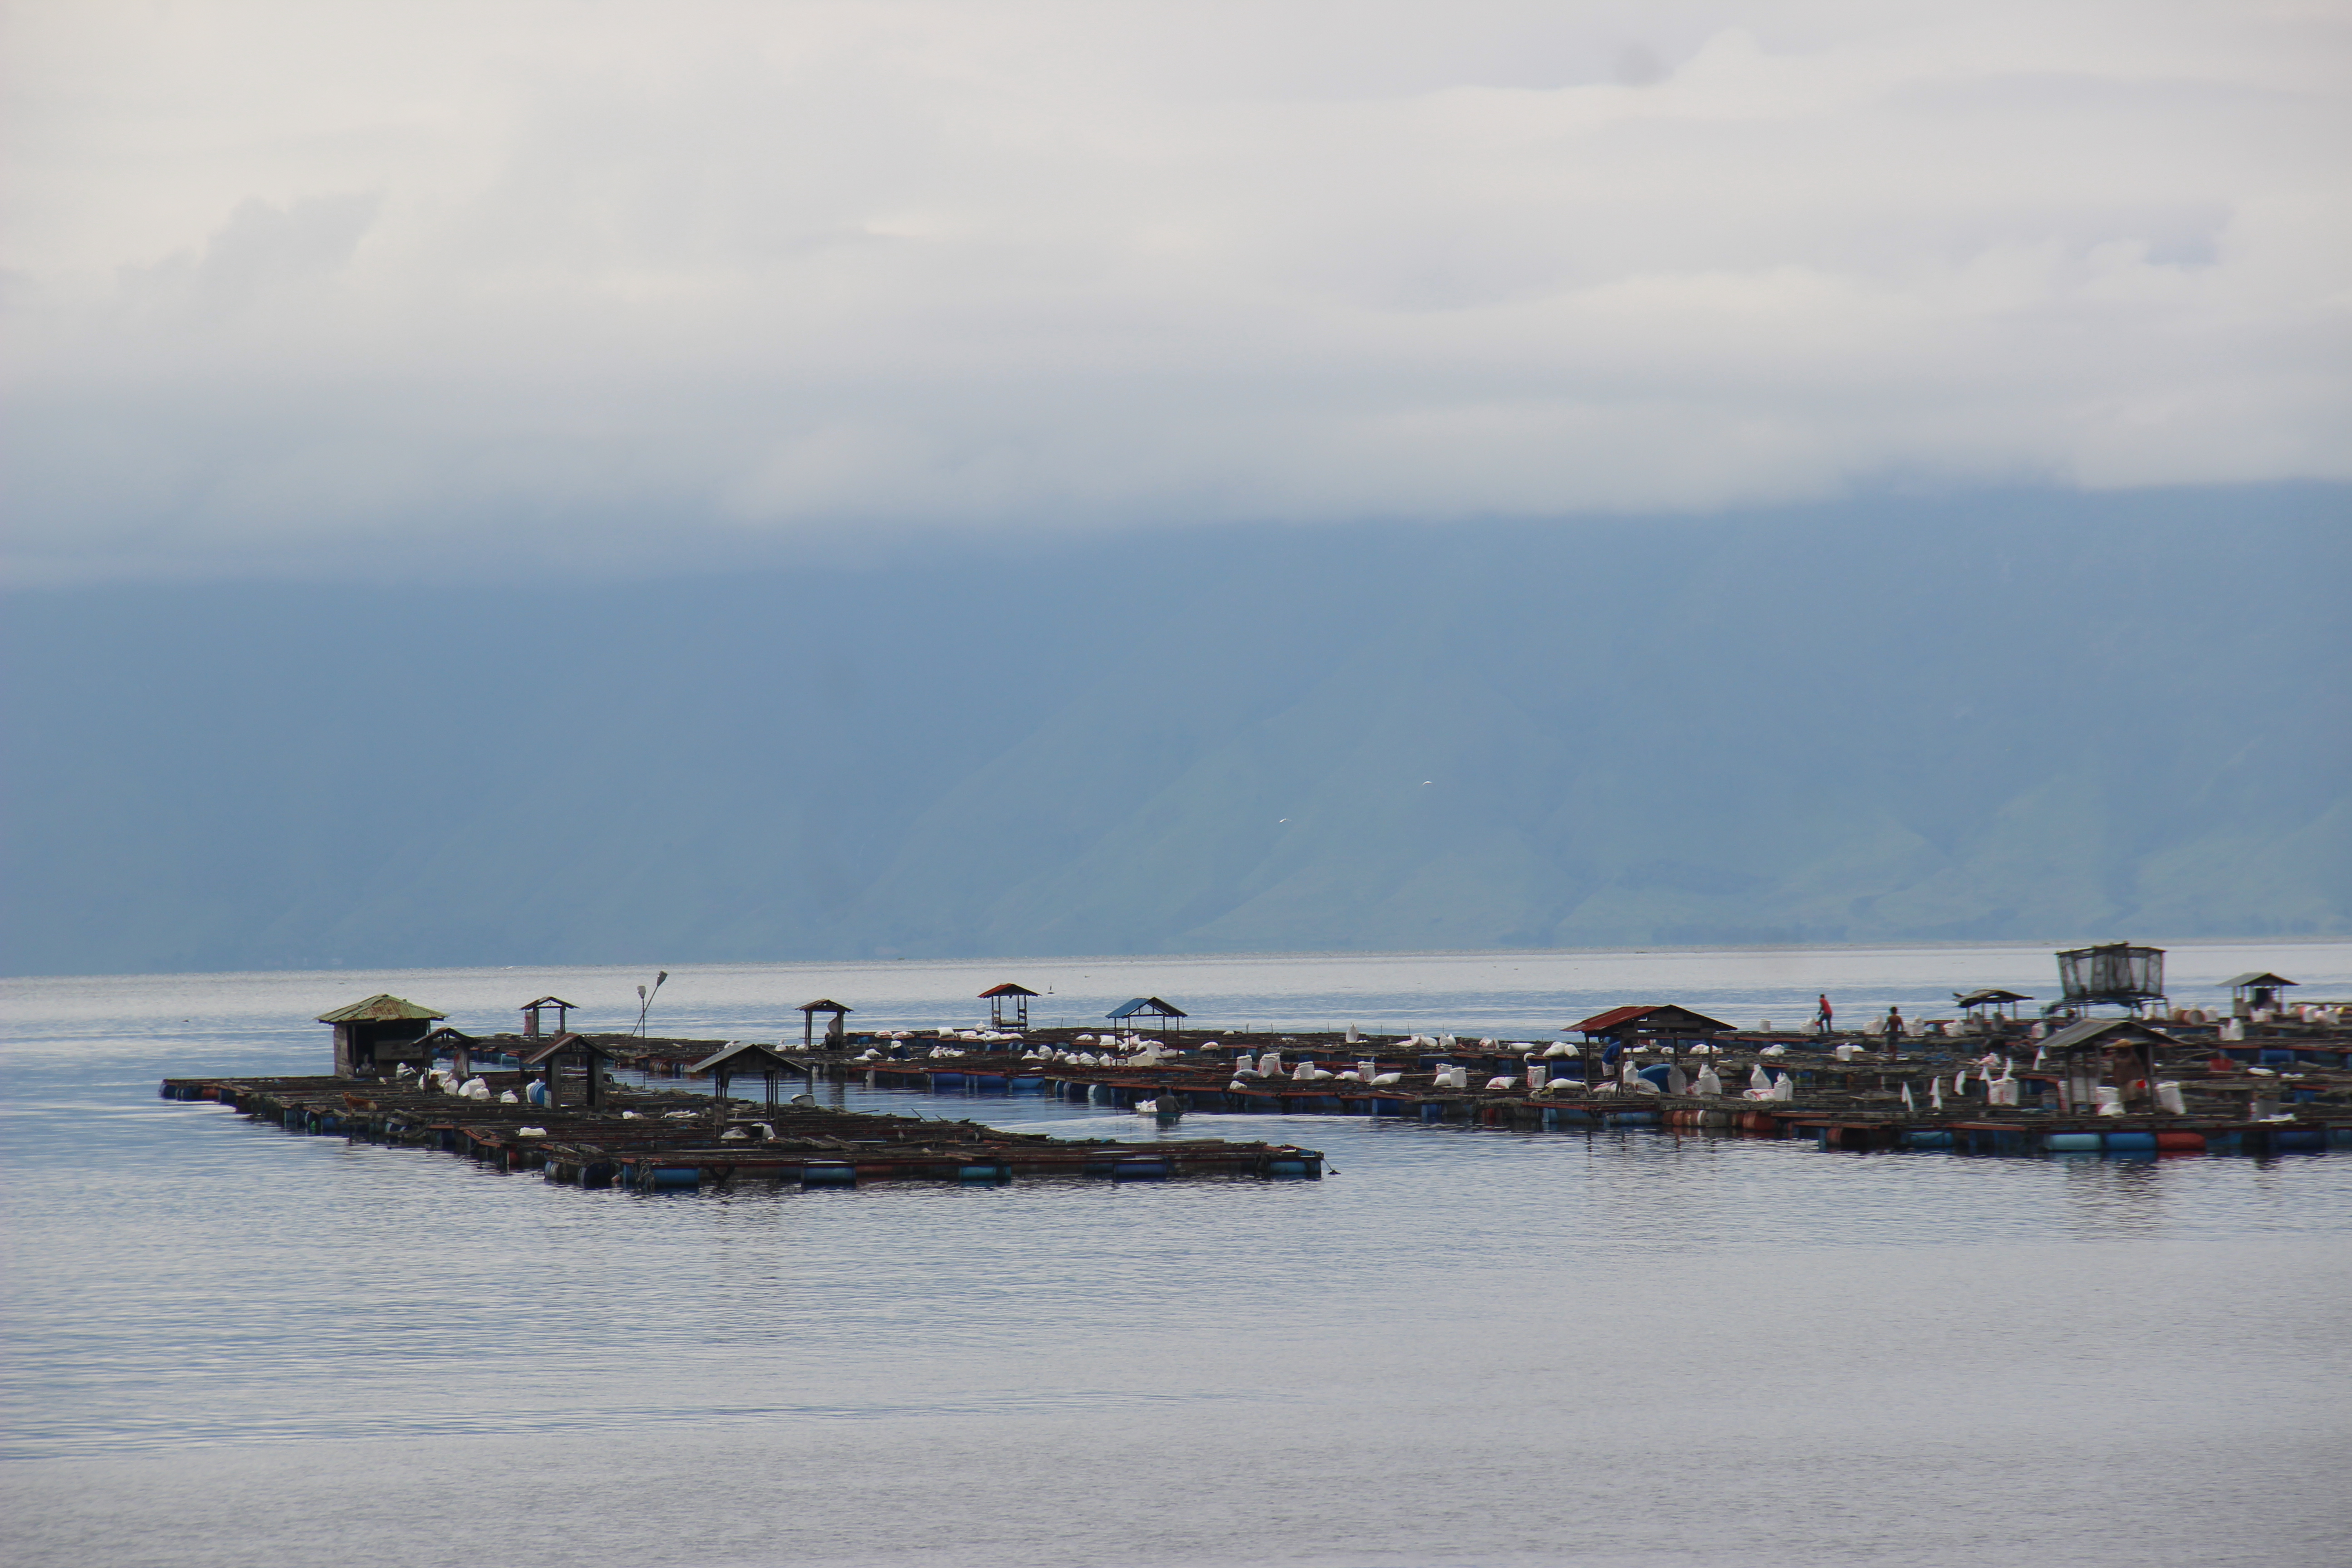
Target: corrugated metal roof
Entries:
(1145, 1006)
(746, 1056)
(378, 1009)
(2093, 1031)
(1986, 997)
(822, 1005)
(2259, 977)
(1655, 1017)
(566, 1043)
(551, 1002)
(1007, 989)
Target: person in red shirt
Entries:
(1822, 1015)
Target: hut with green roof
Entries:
(374, 1037)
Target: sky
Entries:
(473, 289)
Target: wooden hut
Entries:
(2254, 991)
(455, 1043)
(748, 1059)
(372, 1038)
(1985, 1008)
(1126, 1013)
(530, 1011)
(2118, 1052)
(1649, 1023)
(998, 997)
(836, 1033)
(573, 1069)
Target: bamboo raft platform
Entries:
(2200, 1086)
(665, 1141)
(1838, 1104)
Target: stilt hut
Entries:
(573, 1069)
(530, 1016)
(746, 1059)
(999, 997)
(2115, 972)
(836, 1033)
(372, 1038)
(1646, 1024)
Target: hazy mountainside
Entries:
(2003, 716)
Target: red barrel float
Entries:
(2180, 1142)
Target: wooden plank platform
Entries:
(654, 1140)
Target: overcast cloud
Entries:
(313, 281)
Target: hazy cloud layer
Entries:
(291, 280)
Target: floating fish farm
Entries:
(665, 1141)
(2265, 1080)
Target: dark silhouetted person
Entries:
(1894, 1029)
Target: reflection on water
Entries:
(229, 1343)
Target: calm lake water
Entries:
(228, 1344)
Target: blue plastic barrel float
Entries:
(2131, 1142)
(2299, 1141)
(669, 1178)
(829, 1173)
(1926, 1138)
(983, 1174)
(1289, 1165)
(1139, 1168)
(1024, 1085)
(947, 1080)
(2072, 1142)
(1630, 1118)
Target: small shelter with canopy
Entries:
(1125, 1014)
(836, 1033)
(749, 1059)
(531, 1015)
(1646, 1023)
(2255, 991)
(999, 997)
(1985, 1007)
(2100, 1049)
(372, 1036)
(455, 1043)
(573, 1069)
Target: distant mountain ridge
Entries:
(2000, 716)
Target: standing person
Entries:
(1822, 1015)
(1894, 1030)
